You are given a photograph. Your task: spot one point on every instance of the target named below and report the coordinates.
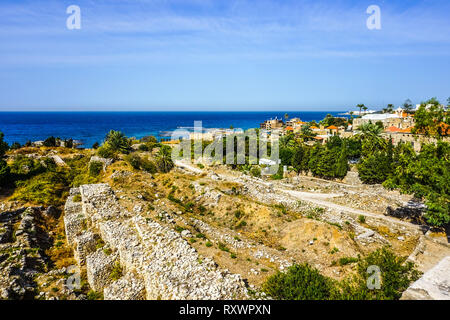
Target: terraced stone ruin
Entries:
(156, 262)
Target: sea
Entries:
(91, 127)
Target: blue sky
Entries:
(221, 54)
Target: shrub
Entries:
(95, 167)
(50, 142)
(396, 276)
(134, 160)
(25, 167)
(5, 174)
(223, 247)
(143, 147)
(15, 146)
(148, 166)
(300, 282)
(48, 188)
(93, 295)
(116, 273)
(256, 171)
(106, 152)
(96, 145)
(362, 219)
(347, 260)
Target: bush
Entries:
(95, 167)
(93, 295)
(15, 146)
(50, 142)
(300, 282)
(5, 174)
(117, 272)
(396, 276)
(46, 189)
(134, 160)
(143, 147)
(106, 152)
(139, 163)
(25, 167)
(148, 166)
(256, 171)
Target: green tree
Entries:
(342, 162)
(5, 176)
(300, 159)
(3, 145)
(425, 175)
(429, 118)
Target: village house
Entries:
(272, 124)
(399, 119)
(397, 136)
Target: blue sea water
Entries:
(91, 127)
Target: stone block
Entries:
(99, 267)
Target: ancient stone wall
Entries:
(155, 261)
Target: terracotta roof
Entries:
(318, 138)
(289, 128)
(393, 129)
(332, 128)
(445, 128)
(313, 128)
(407, 130)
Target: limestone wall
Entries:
(155, 261)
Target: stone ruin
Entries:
(155, 261)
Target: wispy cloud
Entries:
(33, 32)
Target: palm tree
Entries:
(164, 159)
(407, 105)
(390, 108)
(372, 133)
(360, 106)
(286, 117)
(117, 141)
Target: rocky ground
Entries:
(200, 233)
